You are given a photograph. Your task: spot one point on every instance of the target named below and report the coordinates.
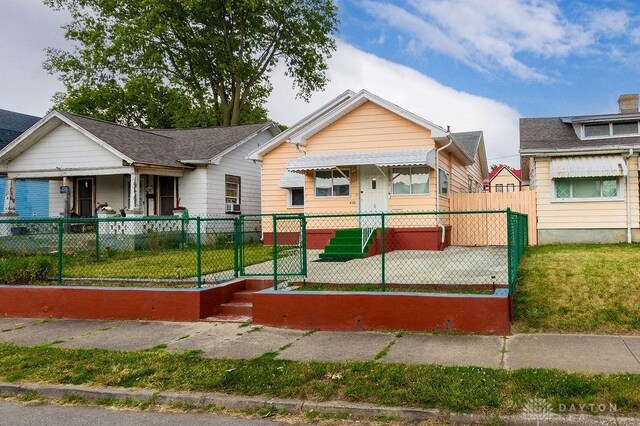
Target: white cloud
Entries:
(351, 68)
(489, 35)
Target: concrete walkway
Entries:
(583, 353)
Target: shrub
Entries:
(25, 270)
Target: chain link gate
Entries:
(271, 246)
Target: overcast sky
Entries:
(470, 64)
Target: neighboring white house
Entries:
(142, 171)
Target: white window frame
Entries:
(410, 181)
(448, 175)
(290, 198)
(238, 197)
(618, 197)
(340, 172)
(610, 135)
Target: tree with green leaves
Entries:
(178, 63)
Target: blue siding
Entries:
(32, 197)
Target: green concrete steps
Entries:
(347, 244)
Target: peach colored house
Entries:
(503, 179)
(360, 154)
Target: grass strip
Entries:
(391, 288)
(458, 389)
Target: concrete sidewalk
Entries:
(581, 353)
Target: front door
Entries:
(167, 195)
(86, 205)
(374, 195)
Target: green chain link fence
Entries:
(459, 251)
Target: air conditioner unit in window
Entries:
(232, 208)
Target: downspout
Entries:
(628, 195)
(438, 221)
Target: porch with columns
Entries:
(136, 191)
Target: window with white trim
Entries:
(232, 193)
(332, 183)
(580, 188)
(296, 197)
(444, 182)
(410, 180)
(511, 187)
(621, 128)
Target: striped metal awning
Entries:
(588, 166)
(291, 180)
(406, 157)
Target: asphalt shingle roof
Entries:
(552, 134)
(469, 142)
(165, 147)
(12, 124)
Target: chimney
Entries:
(628, 103)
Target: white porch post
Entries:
(10, 198)
(134, 193)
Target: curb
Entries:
(296, 406)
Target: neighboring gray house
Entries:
(145, 172)
(584, 170)
(33, 193)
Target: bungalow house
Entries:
(585, 172)
(503, 179)
(33, 194)
(360, 154)
(90, 162)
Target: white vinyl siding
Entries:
(64, 148)
(235, 163)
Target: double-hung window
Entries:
(410, 180)
(577, 188)
(332, 183)
(499, 187)
(510, 187)
(232, 193)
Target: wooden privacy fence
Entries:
(487, 229)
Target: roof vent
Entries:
(628, 103)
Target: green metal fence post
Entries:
(198, 252)
(236, 246)
(303, 243)
(275, 251)
(509, 249)
(382, 254)
(60, 228)
(97, 239)
(183, 234)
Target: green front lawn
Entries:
(579, 288)
(458, 389)
(165, 264)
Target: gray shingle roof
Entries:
(206, 143)
(469, 142)
(12, 124)
(166, 147)
(552, 134)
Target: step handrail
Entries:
(366, 234)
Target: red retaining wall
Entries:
(383, 311)
(395, 239)
(117, 303)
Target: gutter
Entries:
(438, 221)
(628, 195)
(613, 149)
